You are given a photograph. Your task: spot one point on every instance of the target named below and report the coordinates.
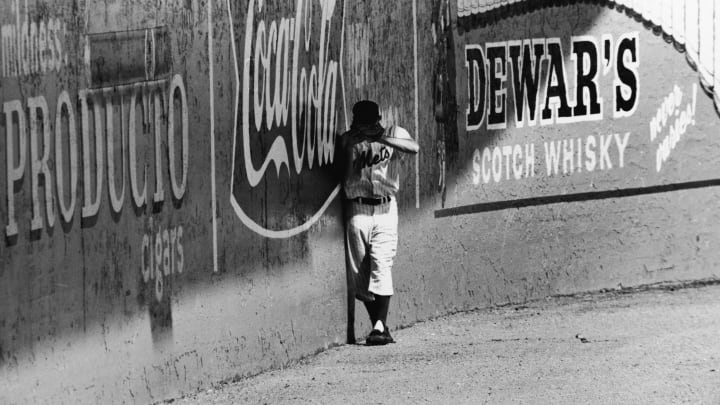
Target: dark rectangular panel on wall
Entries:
(129, 56)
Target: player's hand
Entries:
(373, 132)
(353, 137)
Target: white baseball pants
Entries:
(371, 246)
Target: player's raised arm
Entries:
(400, 139)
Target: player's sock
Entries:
(382, 303)
(379, 326)
(371, 307)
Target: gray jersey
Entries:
(375, 168)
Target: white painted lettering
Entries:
(568, 156)
(530, 160)
(476, 162)
(91, 206)
(507, 151)
(13, 109)
(497, 164)
(590, 162)
(517, 162)
(39, 163)
(64, 104)
(486, 158)
(178, 88)
(139, 197)
(605, 142)
(312, 92)
(552, 157)
(621, 145)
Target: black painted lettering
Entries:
(556, 87)
(586, 78)
(497, 63)
(475, 63)
(526, 72)
(626, 81)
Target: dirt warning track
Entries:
(657, 346)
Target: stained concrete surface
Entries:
(658, 346)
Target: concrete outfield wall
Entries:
(170, 210)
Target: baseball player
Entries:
(370, 161)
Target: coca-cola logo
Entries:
(288, 101)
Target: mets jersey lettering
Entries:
(375, 170)
(367, 158)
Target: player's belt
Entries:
(372, 201)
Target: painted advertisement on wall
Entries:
(288, 110)
(171, 216)
(150, 151)
(583, 103)
(101, 153)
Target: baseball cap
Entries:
(365, 112)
